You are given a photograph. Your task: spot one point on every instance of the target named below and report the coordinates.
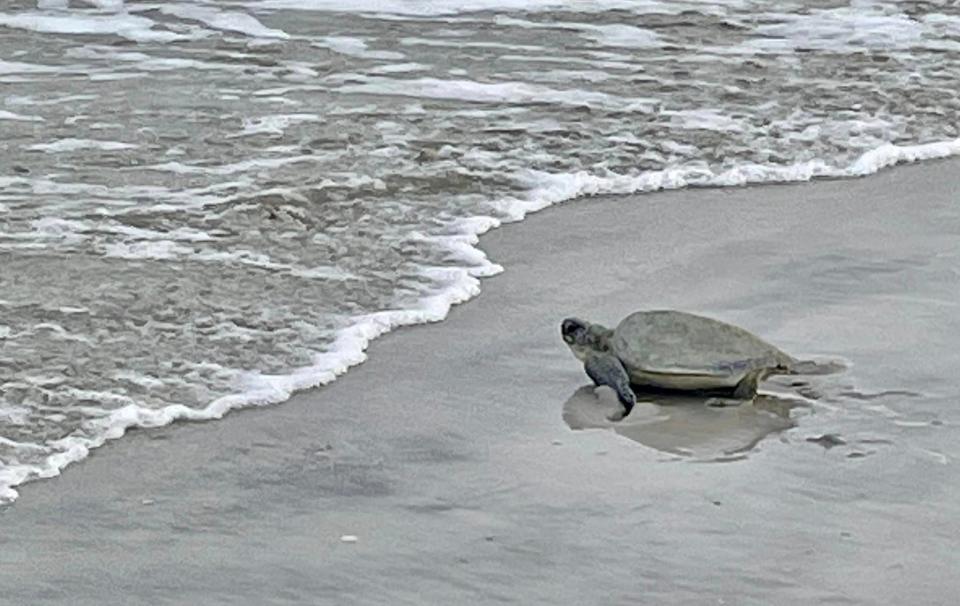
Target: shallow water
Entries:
(205, 206)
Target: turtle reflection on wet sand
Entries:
(682, 425)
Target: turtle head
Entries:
(583, 337)
(573, 329)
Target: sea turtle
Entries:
(675, 350)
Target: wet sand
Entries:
(450, 453)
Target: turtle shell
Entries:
(681, 350)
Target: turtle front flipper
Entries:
(606, 369)
(747, 387)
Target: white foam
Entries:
(73, 310)
(567, 75)
(397, 68)
(355, 47)
(72, 145)
(58, 332)
(231, 21)
(274, 124)
(131, 27)
(454, 43)
(617, 34)
(14, 415)
(278, 100)
(18, 67)
(104, 5)
(626, 36)
(5, 115)
(144, 61)
(353, 181)
(500, 92)
(171, 249)
(120, 196)
(156, 249)
(547, 189)
(569, 60)
(890, 154)
(181, 234)
(704, 119)
(182, 244)
(844, 29)
(428, 8)
(229, 169)
(37, 101)
(58, 229)
(943, 25)
(324, 273)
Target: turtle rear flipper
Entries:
(605, 369)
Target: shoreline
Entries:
(426, 460)
(352, 341)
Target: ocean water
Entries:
(211, 204)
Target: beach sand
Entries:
(449, 454)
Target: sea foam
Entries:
(72, 145)
(499, 92)
(231, 21)
(132, 27)
(435, 8)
